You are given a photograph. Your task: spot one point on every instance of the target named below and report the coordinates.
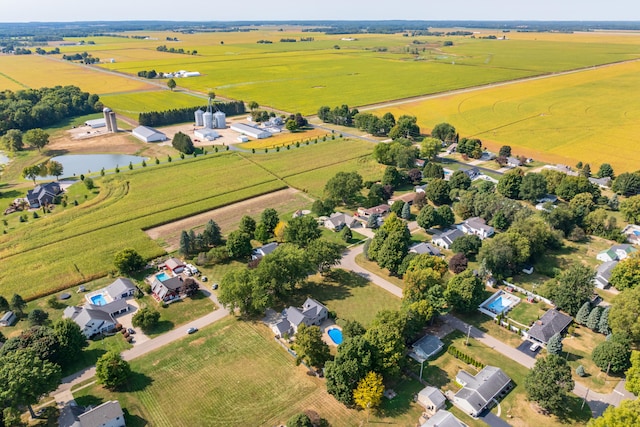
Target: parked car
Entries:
(534, 347)
(204, 278)
(192, 331)
(131, 331)
(215, 286)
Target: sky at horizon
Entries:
(286, 10)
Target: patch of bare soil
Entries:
(228, 217)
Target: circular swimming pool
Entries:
(336, 335)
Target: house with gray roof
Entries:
(311, 313)
(108, 414)
(551, 323)
(168, 289)
(91, 319)
(479, 391)
(616, 252)
(264, 250)
(443, 418)
(470, 172)
(446, 239)
(603, 274)
(601, 182)
(632, 231)
(425, 347)
(43, 194)
(338, 220)
(431, 399)
(425, 248)
(121, 288)
(513, 162)
(477, 226)
(8, 319)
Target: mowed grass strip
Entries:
(229, 374)
(36, 71)
(590, 116)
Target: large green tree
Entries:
(36, 138)
(549, 383)
(25, 378)
(624, 316)
(302, 231)
(505, 253)
(510, 183)
(533, 187)
(438, 191)
(12, 140)
(183, 143)
(633, 374)
(355, 358)
(430, 147)
(573, 287)
(612, 355)
(465, 291)
(146, 318)
(405, 127)
(310, 348)
(344, 186)
(469, 244)
(386, 338)
(324, 254)
(112, 371)
(444, 132)
(128, 260)
(240, 289)
(239, 245)
(630, 208)
(70, 338)
(269, 217)
(248, 225)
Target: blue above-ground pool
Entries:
(98, 300)
(336, 335)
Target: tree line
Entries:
(38, 108)
(181, 115)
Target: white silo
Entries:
(208, 120)
(220, 120)
(107, 119)
(199, 117)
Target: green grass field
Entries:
(132, 104)
(591, 116)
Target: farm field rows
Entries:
(592, 116)
(28, 71)
(130, 202)
(132, 104)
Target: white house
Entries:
(431, 399)
(479, 392)
(477, 226)
(425, 248)
(338, 220)
(443, 418)
(108, 414)
(147, 134)
(264, 250)
(616, 252)
(603, 274)
(446, 239)
(311, 313)
(513, 162)
(91, 319)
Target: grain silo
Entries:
(208, 116)
(219, 120)
(107, 119)
(113, 122)
(199, 117)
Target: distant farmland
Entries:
(591, 116)
(132, 104)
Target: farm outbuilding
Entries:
(251, 131)
(96, 123)
(147, 134)
(208, 134)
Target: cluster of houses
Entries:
(610, 259)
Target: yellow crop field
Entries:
(7, 83)
(37, 71)
(591, 116)
(285, 139)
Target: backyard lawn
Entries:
(372, 266)
(179, 312)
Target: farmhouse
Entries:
(379, 210)
(338, 220)
(263, 251)
(443, 418)
(446, 239)
(167, 289)
(551, 323)
(175, 265)
(8, 319)
(147, 134)
(632, 232)
(108, 414)
(252, 131)
(478, 392)
(311, 313)
(616, 252)
(43, 194)
(513, 162)
(431, 399)
(477, 226)
(603, 274)
(425, 248)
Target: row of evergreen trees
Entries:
(595, 318)
(464, 357)
(192, 243)
(181, 115)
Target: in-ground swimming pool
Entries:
(336, 335)
(500, 304)
(162, 276)
(98, 300)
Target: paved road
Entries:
(63, 395)
(597, 402)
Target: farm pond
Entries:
(76, 164)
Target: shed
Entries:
(432, 399)
(8, 319)
(147, 134)
(96, 123)
(252, 131)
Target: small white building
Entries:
(477, 226)
(147, 134)
(109, 414)
(208, 134)
(431, 399)
(252, 131)
(96, 123)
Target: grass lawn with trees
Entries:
(231, 374)
(179, 312)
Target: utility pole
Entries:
(585, 399)
(421, 366)
(468, 333)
